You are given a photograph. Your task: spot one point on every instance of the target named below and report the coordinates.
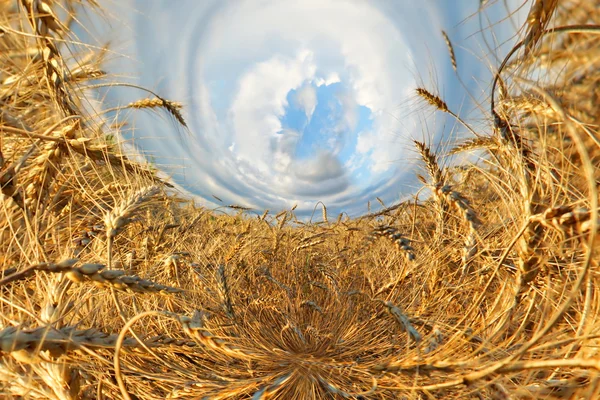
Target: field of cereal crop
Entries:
(114, 286)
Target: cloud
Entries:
(235, 63)
(365, 142)
(283, 147)
(349, 105)
(330, 80)
(322, 167)
(306, 98)
(260, 103)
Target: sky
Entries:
(292, 102)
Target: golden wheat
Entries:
(484, 290)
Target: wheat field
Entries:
(114, 286)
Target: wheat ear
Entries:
(441, 105)
(450, 50)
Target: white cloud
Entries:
(330, 80)
(320, 168)
(306, 98)
(349, 107)
(283, 147)
(261, 101)
(365, 142)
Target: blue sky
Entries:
(299, 101)
(325, 130)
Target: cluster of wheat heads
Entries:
(113, 287)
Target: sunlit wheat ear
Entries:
(397, 238)
(43, 20)
(307, 245)
(29, 343)
(489, 143)
(224, 292)
(445, 195)
(278, 233)
(121, 215)
(450, 50)
(566, 219)
(94, 273)
(46, 164)
(155, 102)
(172, 107)
(437, 178)
(117, 279)
(513, 144)
(461, 205)
(194, 327)
(85, 72)
(538, 19)
(281, 220)
(403, 321)
(263, 216)
(441, 105)
(432, 99)
(520, 161)
(61, 266)
(103, 153)
(54, 307)
(431, 163)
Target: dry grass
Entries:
(112, 287)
